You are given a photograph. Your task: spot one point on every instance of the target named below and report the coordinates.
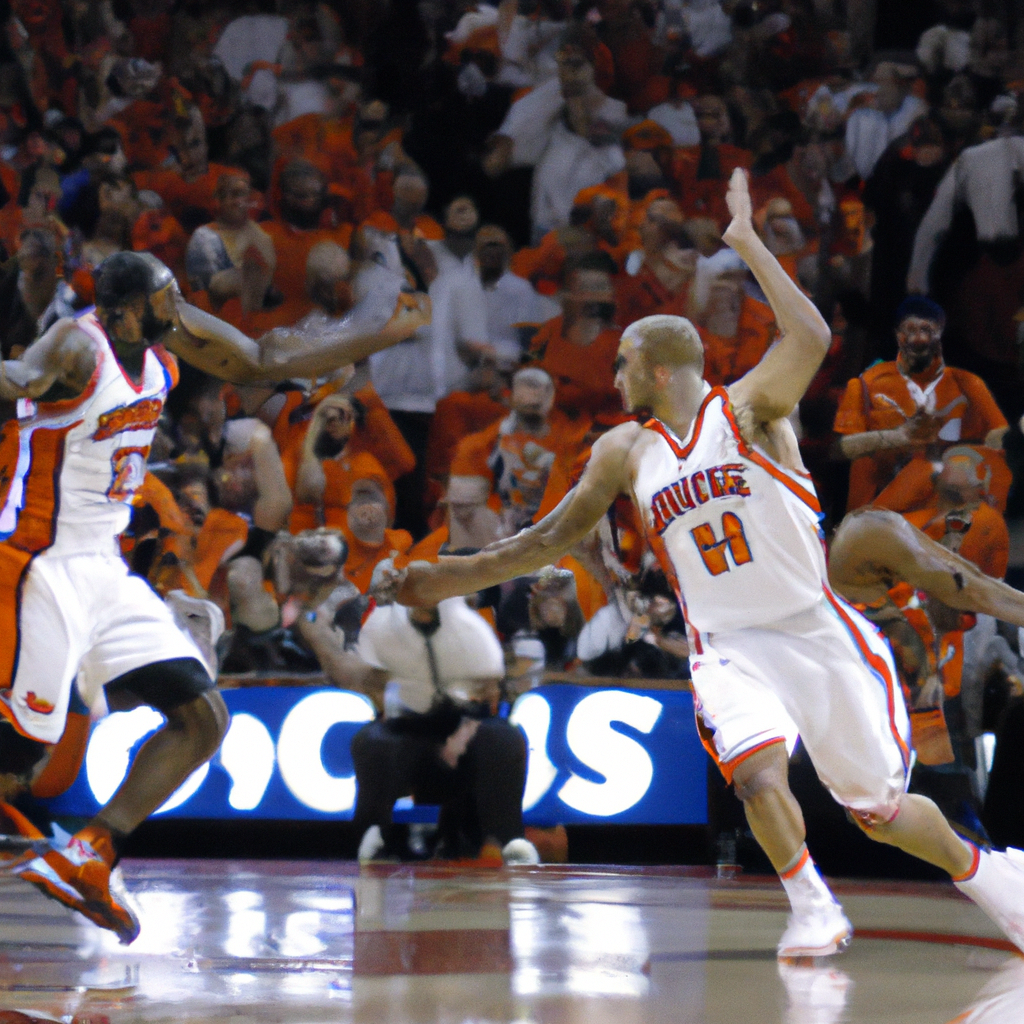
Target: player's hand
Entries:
(386, 582)
(412, 312)
(741, 228)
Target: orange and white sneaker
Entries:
(80, 876)
(820, 931)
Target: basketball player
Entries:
(80, 409)
(729, 508)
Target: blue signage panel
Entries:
(609, 755)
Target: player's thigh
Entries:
(737, 712)
(838, 680)
(138, 647)
(44, 633)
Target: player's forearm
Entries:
(316, 359)
(521, 555)
(794, 312)
(987, 596)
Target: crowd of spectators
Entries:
(549, 171)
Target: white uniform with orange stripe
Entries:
(68, 605)
(772, 650)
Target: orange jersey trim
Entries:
(682, 451)
(879, 667)
(806, 496)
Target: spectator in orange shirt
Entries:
(959, 514)
(189, 190)
(406, 215)
(366, 530)
(701, 173)
(597, 222)
(578, 348)
(304, 221)
(460, 414)
(328, 467)
(668, 261)
(960, 518)
(736, 327)
(231, 257)
(896, 409)
(516, 455)
(469, 522)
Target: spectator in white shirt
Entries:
(511, 302)
(567, 130)
(985, 178)
(869, 130)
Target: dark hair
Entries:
(126, 274)
(298, 170)
(919, 306)
(599, 260)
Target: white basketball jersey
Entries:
(80, 461)
(739, 533)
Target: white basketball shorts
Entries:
(81, 616)
(826, 673)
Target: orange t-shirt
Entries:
(186, 197)
(340, 475)
(523, 462)
(728, 359)
(584, 376)
(362, 558)
(424, 227)
(705, 196)
(643, 294)
(221, 531)
(879, 399)
(913, 486)
(292, 246)
(457, 416)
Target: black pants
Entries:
(482, 797)
(411, 487)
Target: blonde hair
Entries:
(670, 341)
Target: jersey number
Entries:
(129, 470)
(713, 550)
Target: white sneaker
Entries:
(371, 845)
(998, 888)
(520, 853)
(201, 620)
(820, 932)
(814, 994)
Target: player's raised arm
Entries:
(607, 475)
(772, 389)
(216, 347)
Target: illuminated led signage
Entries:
(605, 755)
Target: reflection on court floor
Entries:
(296, 942)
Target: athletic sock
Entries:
(969, 874)
(105, 841)
(804, 885)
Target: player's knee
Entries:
(876, 823)
(18, 754)
(760, 782)
(205, 719)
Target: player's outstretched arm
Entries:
(221, 350)
(874, 548)
(63, 356)
(608, 474)
(772, 389)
